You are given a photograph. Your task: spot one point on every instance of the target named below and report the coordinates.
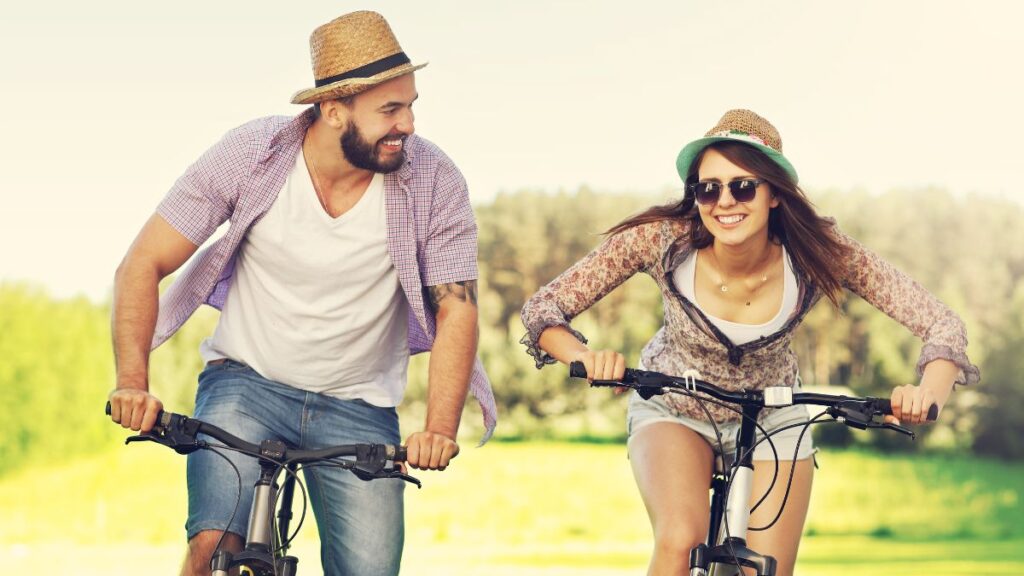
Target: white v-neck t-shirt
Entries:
(316, 301)
(684, 279)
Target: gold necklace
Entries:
(723, 284)
(316, 187)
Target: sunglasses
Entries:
(708, 193)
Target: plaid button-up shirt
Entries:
(431, 228)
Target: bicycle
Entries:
(725, 553)
(266, 549)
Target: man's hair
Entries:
(346, 101)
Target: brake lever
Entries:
(368, 471)
(897, 428)
(182, 444)
(851, 417)
(373, 463)
(396, 473)
(144, 437)
(175, 431)
(862, 421)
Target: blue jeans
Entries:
(361, 523)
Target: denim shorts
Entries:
(645, 412)
(361, 523)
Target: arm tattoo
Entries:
(465, 291)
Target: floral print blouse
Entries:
(688, 340)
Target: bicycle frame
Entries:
(261, 555)
(726, 551)
(723, 548)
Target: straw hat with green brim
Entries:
(352, 54)
(738, 126)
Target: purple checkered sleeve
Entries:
(450, 254)
(201, 199)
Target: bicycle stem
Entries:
(262, 512)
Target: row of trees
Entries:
(969, 251)
(56, 364)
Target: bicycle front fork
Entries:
(727, 558)
(224, 561)
(258, 555)
(731, 552)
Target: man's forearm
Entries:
(133, 321)
(451, 363)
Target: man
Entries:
(351, 245)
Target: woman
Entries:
(740, 260)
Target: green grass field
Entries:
(535, 508)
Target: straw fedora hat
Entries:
(739, 126)
(351, 54)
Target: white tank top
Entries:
(684, 278)
(315, 302)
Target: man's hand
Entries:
(430, 450)
(134, 408)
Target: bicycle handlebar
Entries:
(180, 433)
(647, 384)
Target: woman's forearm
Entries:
(938, 377)
(561, 344)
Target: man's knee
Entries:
(201, 548)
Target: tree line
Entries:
(57, 366)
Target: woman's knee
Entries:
(677, 538)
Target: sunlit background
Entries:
(903, 118)
(107, 102)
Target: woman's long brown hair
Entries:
(808, 237)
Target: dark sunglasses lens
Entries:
(707, 192)
(743, 190)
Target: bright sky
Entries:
(107, 102)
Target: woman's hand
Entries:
(603, 365)
(911, 404)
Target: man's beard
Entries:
(364, 155)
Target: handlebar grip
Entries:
(160, 421)
(577, 369)
(401, 454)
(885, 406)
